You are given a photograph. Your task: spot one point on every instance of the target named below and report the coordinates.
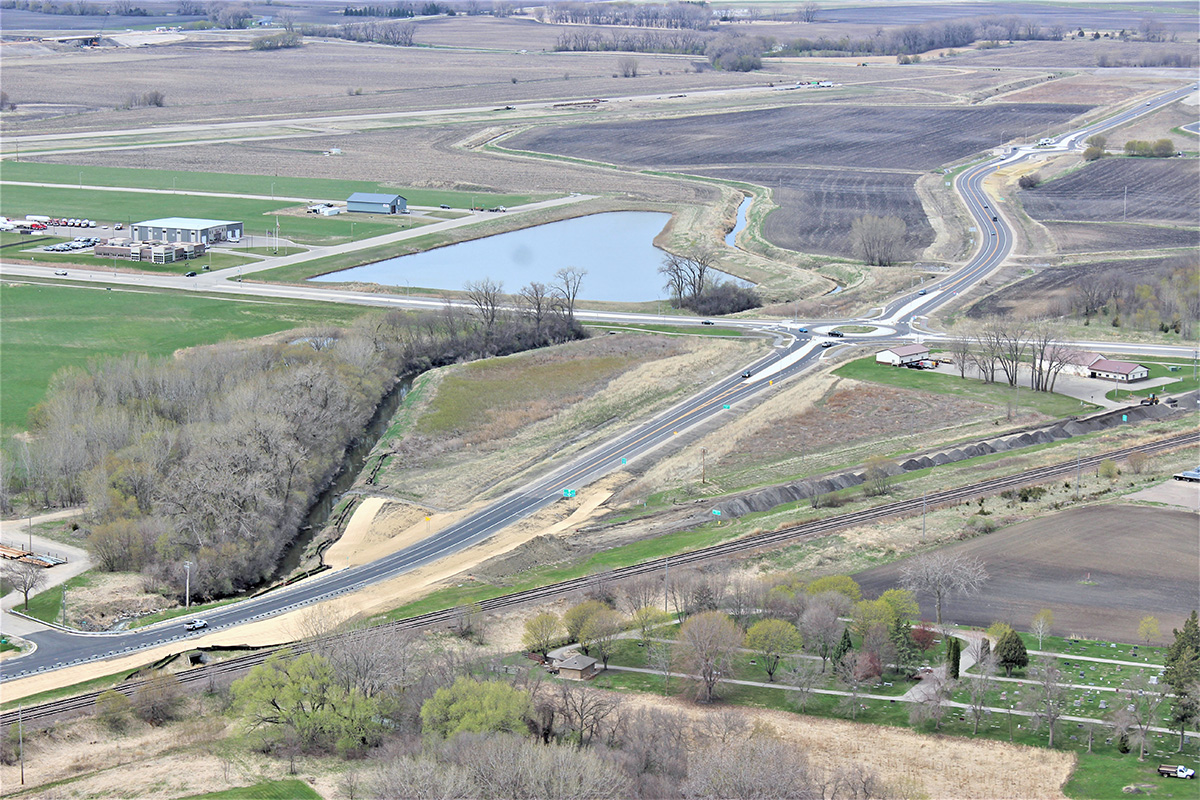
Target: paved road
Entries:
(792, 355)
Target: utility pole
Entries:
(21, 740)
(64, 606)
(1078, 472)
(666, 583)
(703, 465)
(187, 591)
(1125, 204)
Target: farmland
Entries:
(1101, 237)
(826, 199)
(1159, 190)
(914, 138)
(1100, 569)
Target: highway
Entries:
(793, 353)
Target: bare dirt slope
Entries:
(1100, 569)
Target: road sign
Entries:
(716, 512)
(623, 461)
(568, 492)
(727, 406)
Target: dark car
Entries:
(922, 292)
(706, 322)
(445, 206)
(836, 334)
(189, 274)
(747, 374)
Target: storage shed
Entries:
(186, 229)
(904, 354)
(368, 203)
(1124, 371)
(577, 667)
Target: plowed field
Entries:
(1094, 237)
(818, 205)
(1100, 569)
(1113, 189)
(861, 137)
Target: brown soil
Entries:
(110, 598)
(1100, 569)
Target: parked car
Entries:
(195, 624)
(120, 226)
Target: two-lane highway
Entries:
(790, 356)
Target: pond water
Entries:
(616, 249)
(743, 207)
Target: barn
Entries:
(1124, 371)
(367, 203)
(902, 355)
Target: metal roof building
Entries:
(368, 203)
(186, 229)
(904, 354)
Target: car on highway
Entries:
(837, 334)
(60, 272)
(443, 205)
(923, 292)
(189, 274)
(706, 322)
(801, 330)
(747, 374)
(195, 624)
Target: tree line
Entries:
(692, 284)
(1166, 298)
(214, 456)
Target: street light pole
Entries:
(187, 591)
(703, 465)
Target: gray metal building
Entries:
(186, 229)
(368, 203)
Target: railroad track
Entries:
(790, 535)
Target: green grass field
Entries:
(47, 327)
(290, 789)
(47, 605)
(1053, 405)
(310, 188)
(130, 207)
(1182, 375)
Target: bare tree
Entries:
(809, 11)
(706, 645)
(979, 684)
(750, 769)
(659, 657)
(627, 66)
(1048, 355)
(157, 700)
(599, 633)
(485, 295)
(821, 627)
(586, 709)
(687, 274)
(1040, 627)
(854, 671)
(803, 676)
(1136, 713)
(960, 350)
(25, 577)
(641, 591)
(566, 286)
(537, 299)
(722, 726)
(743, 598)
(943, 575)
(933, 701)
(1048, 698)
(879, 241)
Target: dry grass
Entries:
(934, 763)
(109, 598)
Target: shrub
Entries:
(277, 41)
(113, 710)
(1109, 469)
(1029, 181)
(1093, 153)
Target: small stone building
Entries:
(578, 668)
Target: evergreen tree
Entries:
(1010, 652)
(844, 646)
(1188, 637)
(985, 649)
(1182, 674)
(953, 659)
(902, 642)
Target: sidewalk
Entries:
(16, 533)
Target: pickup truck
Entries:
(1169, 771)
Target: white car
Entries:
(195, 624)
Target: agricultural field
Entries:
(826, 199)
(883, 137)
(1101, 237)
(1050, 291)
(1082, 53)
(1100, 569)
(49, 327)
(1159, 191)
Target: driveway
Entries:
(15, 533)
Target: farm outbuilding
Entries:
(186, 229)
(902, 355)
(1124, 371)
(577, 667)
(367, 203)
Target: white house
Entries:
(904, 354)
(1124, 371)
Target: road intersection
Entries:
(794, 353)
